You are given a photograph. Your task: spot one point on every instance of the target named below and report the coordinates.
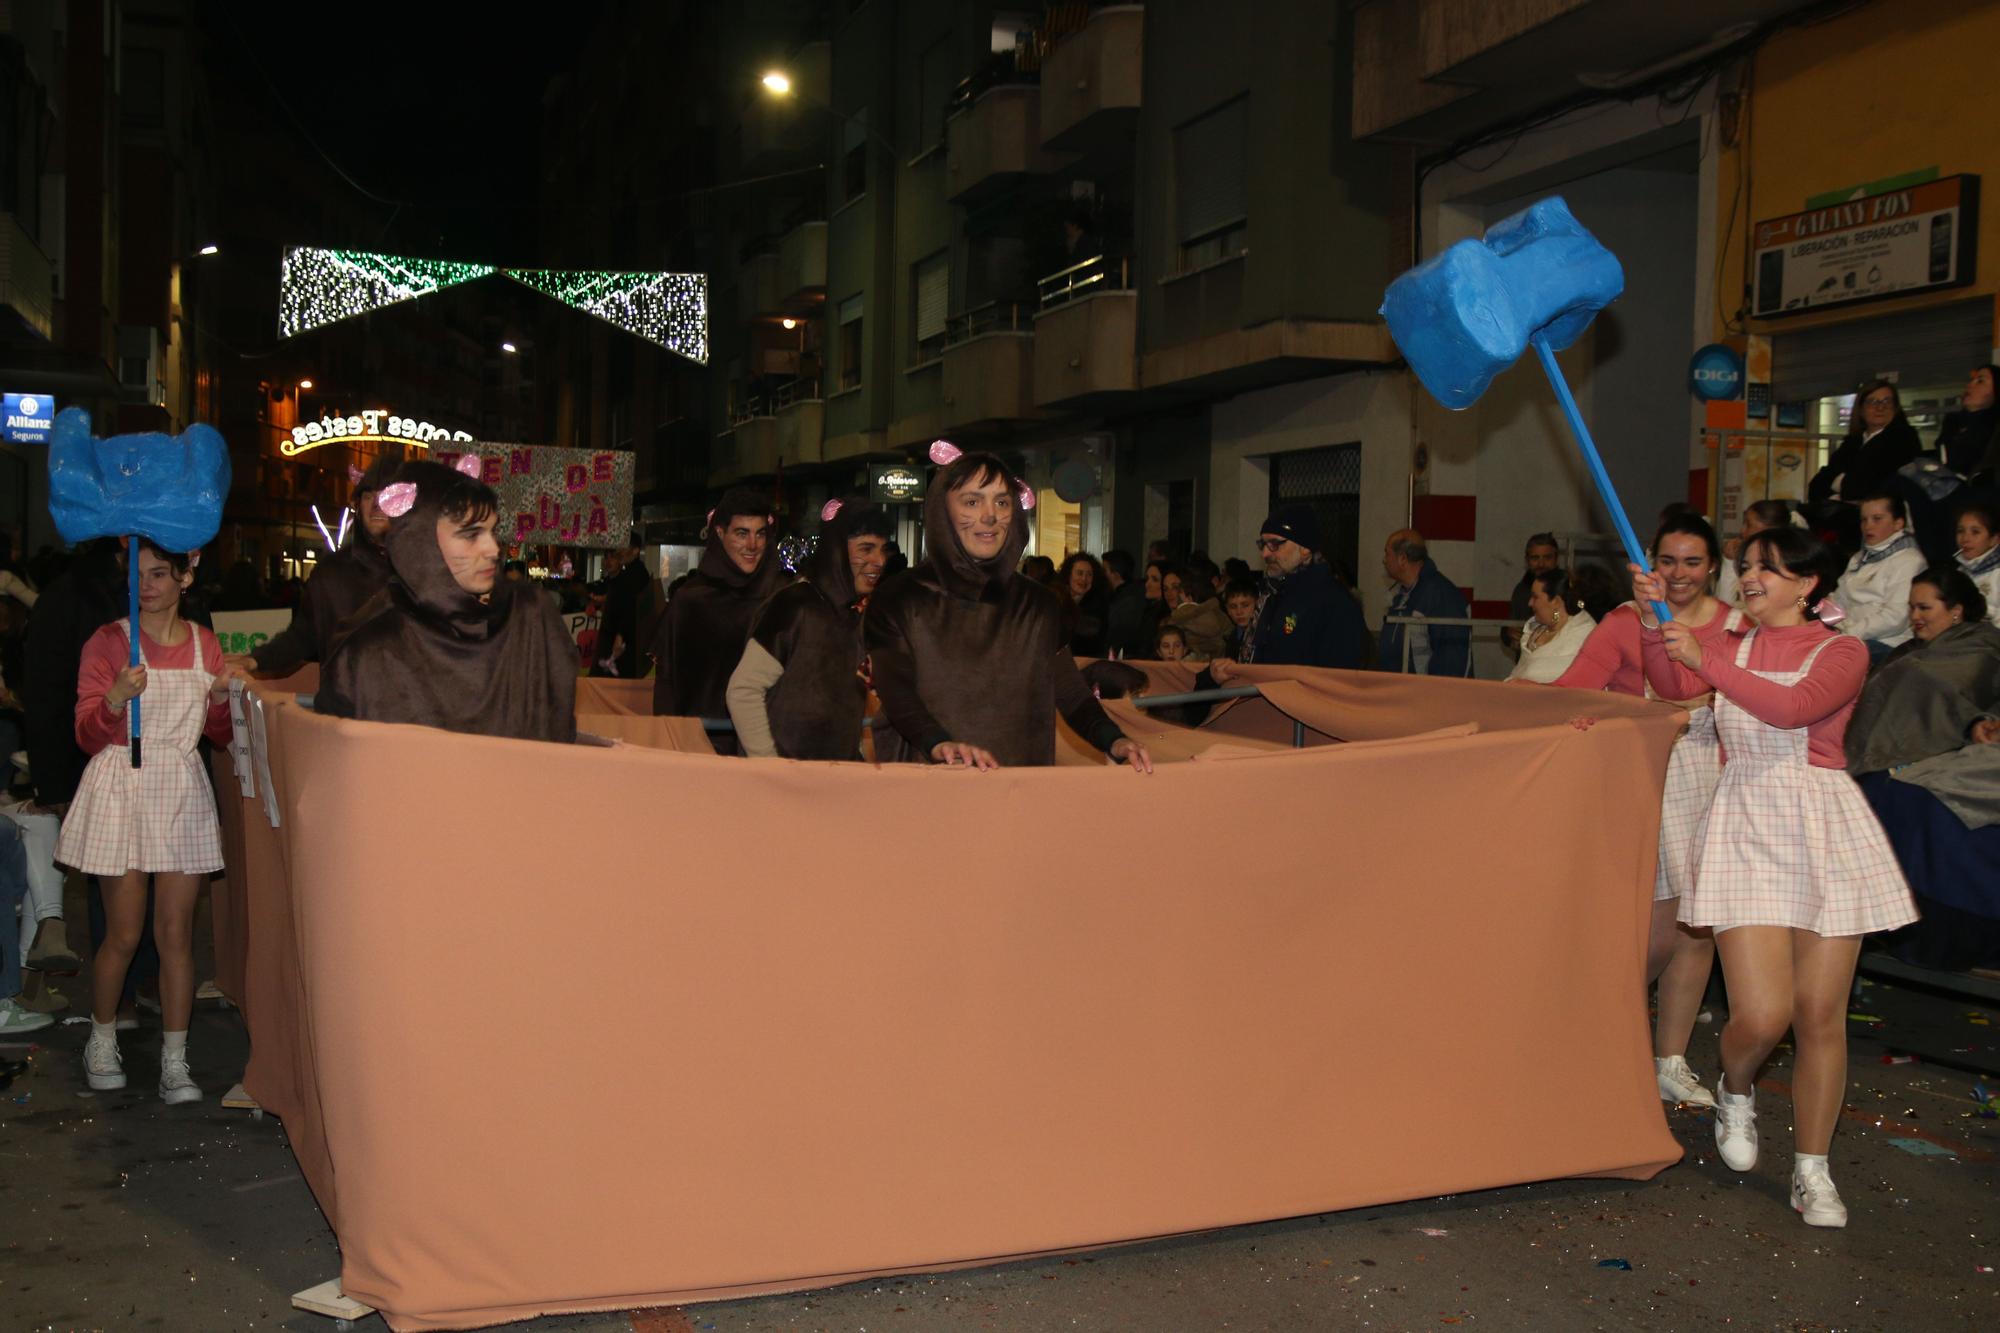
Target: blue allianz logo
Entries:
(28, 417)
(1715, 374)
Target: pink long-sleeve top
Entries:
(1821, 703)
(1610, 658)
(105, 655)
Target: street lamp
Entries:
(209, 250)
(509, 348)
(779, 84)
(305, 384)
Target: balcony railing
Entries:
(1099, 273)
(993, 317)
(798, 391)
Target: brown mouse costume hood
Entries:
(428, 652)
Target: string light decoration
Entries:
(318, 287)
(670, 309)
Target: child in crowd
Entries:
(1115, 680)
(1979, 554)
(1239, 599)
(127, 824)
(1170, 645)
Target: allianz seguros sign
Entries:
(30, 417)
(1715, 374)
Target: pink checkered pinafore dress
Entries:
(1693, 769)
(159, 818)
(1786, 843)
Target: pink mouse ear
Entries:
(828, 510)
(397, 498)
(354, 475)
(708, 522)
(470, 465)
(1024, 494)
(944, 453)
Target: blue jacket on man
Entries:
(1310, 619)
(1442, 650)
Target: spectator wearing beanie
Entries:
(1309, 618)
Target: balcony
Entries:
(25, 279)
(989, 367)
(1091, 82)
(801, 277)
(1431, 71)
(785, 131)
(994, 142)
(801, 418)
(757, 286)
(1086, 335)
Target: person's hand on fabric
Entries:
(1131, 753)
(1682, 645)
(130, 684)
(956, 754)
(1221, 669)
(242, 664)
(1986, 731)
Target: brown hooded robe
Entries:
(704, 628)
(970, 651)
(425, 651)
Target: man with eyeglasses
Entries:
(1308, 617)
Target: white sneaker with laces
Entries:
(176, 1084)
(103, 1067)
(1815, 1198)
(14, 1018)
(1736, 1128)
(1678, 1082)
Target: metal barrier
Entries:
(1468, 622)
(1099, 273)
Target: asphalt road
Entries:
(117, 1212)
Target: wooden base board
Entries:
(328, 1299)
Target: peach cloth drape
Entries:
(831, 1020)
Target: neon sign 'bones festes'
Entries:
(376, 424)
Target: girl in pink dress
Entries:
(128, 824)
(1790, 867)
(1680, 958)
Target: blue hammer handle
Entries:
(1605, 490)
(132, 597)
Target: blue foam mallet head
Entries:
(1468, 314)
(166, 488)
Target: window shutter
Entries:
(933, 295)
(1209, 171)
(1935, 346)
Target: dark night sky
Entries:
(436, 108)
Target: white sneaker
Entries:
(103, 1067)
(1678, 1083)
(1815, 1198)
(1736, 1127)
(14, 1018)
(176, 1085)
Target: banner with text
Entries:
(555, 497)
(1923, 238)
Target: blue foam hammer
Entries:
(1535, 279)
(168, 489)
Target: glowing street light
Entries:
(777, 83)
(210, 250)
(789, 324)
(509, 348)
(305, 384)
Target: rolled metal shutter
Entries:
(1934, 346)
